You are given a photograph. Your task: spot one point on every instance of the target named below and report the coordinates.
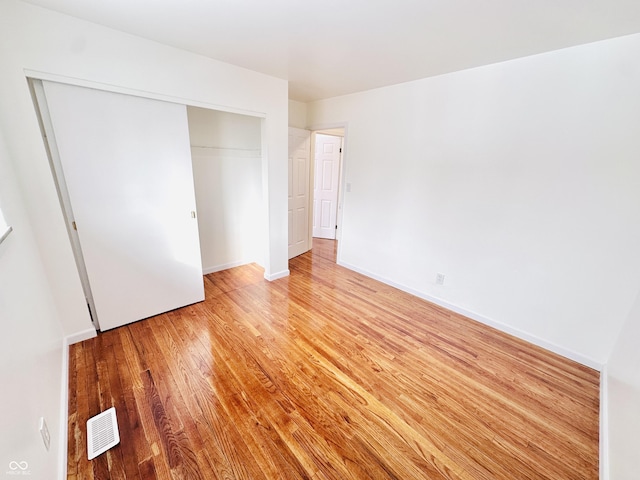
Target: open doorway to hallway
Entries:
(328, 146)
(315, 186)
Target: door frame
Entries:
(319, 128)
(34, 76)
(334, 138)
(51, 146)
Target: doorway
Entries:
(226, 154)
(125, 182)
(316, 167)
(328, 147)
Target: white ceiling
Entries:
(333, 47)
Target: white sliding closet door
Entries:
(127, 166)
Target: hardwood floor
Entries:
(328, 374)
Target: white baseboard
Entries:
(604, 424)
(64, 411)
(81, 336)
(224, 266)
(571, 355)
(218, 268)
(277, 275)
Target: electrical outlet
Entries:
(44, 431)
(439, 278)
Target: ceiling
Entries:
(334, 47)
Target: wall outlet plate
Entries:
(44, 431)
(439, 278)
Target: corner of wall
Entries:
(297, 114)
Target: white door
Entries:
(325, 192)
(127, 166)
(299, 159)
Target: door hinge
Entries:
(340, 149)
(75, 227)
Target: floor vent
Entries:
(102, 433)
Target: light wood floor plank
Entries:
(327, 374)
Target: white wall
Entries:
(227, 167)
(297, 114)
(519, 181)
(35, 39)
(623, 396)
(31, 343)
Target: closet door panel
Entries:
(127, 167)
